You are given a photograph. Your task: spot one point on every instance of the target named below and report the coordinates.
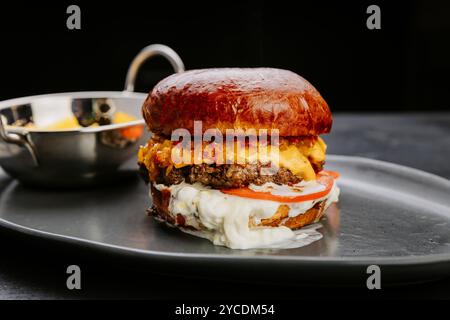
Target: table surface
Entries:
(36, 269)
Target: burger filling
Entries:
(244, 223)
(237, 204)
(298, 159)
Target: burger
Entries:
(236, 156)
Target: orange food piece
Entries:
(133, 132)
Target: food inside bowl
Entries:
(73, 122)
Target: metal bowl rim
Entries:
(75, 95)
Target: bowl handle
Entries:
(20, 139)
(149, 52)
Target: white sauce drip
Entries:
(226, 217)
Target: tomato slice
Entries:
(324, 178)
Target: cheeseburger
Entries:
(236, 157)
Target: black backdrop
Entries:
(404, 66)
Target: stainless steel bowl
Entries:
(81, 156)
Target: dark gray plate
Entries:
(389, 215)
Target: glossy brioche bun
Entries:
(161, 211)
(234, 98)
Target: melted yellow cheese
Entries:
(296, 162)
(296, 157)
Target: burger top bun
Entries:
(235, 98)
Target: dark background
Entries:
(404, 66)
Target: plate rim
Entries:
(337, 261)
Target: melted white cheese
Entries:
(224, 219)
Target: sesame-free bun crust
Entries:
(234, 98)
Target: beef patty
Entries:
(222, 176)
